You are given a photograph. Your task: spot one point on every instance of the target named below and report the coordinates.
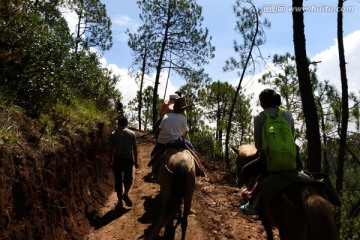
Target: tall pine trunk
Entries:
(306, 90)
(143, 69)
(345, 104)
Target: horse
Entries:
(300, 211)
(246, 153)
(176, 177)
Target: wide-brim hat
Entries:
(179, 104)
(171, 99)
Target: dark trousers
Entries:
(122, 169)
(253, 169)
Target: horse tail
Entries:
(320, 219)
(173, 203)
(184, 185)
(180, 180)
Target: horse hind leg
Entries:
(170, 230)
(268, 228)
(184, 220)
(187, 207)
(164, 219)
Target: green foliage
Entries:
(94, 26)
(284, 80)
(141, 44)
(146, 104)
(355, 114)
(216, 99)
(251, 29)
(38, 67)
(195, 115)
(80, 116)
(349, 228)
(88, 80)
(162, 22)
(32, 56)
(242, 128)
(8, 133)
(172, 37)
(10, 116)
(205, 143)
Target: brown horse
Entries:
(177, 183)
(300, 211)
(246, 153)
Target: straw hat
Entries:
(180, 103)
(171, 99)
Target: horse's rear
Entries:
(299, 212)
(177, 182)
(246, 153)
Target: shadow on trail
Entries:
(152, 208)
(100, 221)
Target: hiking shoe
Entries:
(248, 209)
(119, 207)
(127, 200)
(154, 178)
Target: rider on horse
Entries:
(270, 101)
(173, 131)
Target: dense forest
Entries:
(53, 75)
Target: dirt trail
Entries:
(215, 205)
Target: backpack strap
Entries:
(279, 113)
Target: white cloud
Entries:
(129, 87)
(71, 18)
(121, 20)
(328, 69)
(120, 24)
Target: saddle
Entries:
(267, 187)
(158, 156)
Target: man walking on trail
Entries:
(123, 155)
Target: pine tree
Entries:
(178, 41)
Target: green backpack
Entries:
(278, 143)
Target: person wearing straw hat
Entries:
(164, 109)
(174, 124)
(174, 127)
(165, 106)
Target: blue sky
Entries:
(320, 30)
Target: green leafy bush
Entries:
(204, 142)
(80, 116)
